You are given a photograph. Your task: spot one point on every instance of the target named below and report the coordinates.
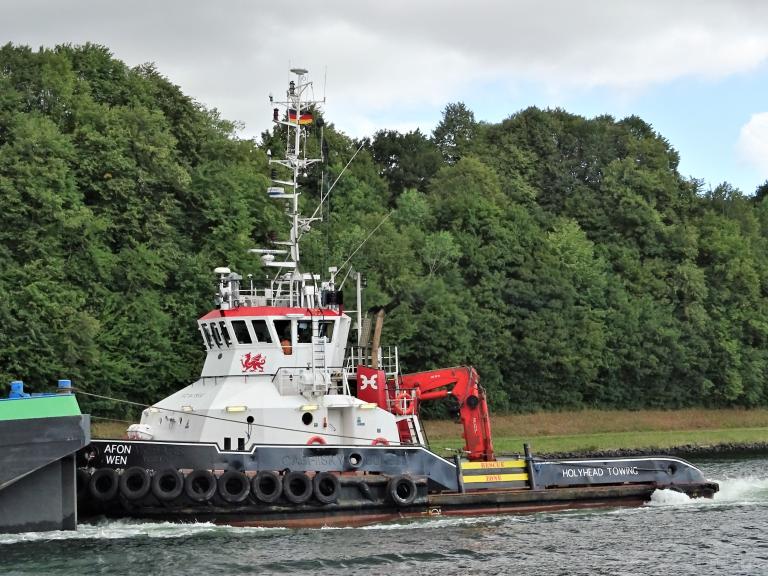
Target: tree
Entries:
(454, 134)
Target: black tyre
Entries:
(167, 484)
(234, 486)
(297, 487)
(200, 485)
(135, 483)
(103, 484)
(326, 487)
(267, 486)
(82, 479)
(402, 490)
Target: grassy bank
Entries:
(588, 430)
(592, 430)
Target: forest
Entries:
(565, 257)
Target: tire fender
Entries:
(135, 483)
(326, 487)
(267, 486)
(200, 485)
(103, 484)
(234, 486)
(167, 484)
(402, 490)
(297, 487)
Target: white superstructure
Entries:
(275, 366)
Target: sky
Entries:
(696, 70)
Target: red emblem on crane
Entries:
(252, 363)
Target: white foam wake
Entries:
(733, 491)
(116, 529)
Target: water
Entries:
(670, 535)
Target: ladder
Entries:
(318, 347)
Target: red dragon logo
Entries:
(253, 363)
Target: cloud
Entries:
(753, 142)
(389, 59)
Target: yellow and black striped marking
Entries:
(496, 474)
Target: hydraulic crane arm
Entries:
(462, 383)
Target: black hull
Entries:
(37, 472)
(365, 484)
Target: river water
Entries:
(669, 535)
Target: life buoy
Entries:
(404, 404)
(327, 487)
(103, 484)
(297, 487)
(380, 441)
(234, 486)
(200, 485)
(167, 484)
(316, 440)
(402, 490)
(135, 483)
(267, 486)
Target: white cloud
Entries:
(386, 59)
(753, 142)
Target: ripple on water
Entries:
(671, 534)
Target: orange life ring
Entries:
(380, 441)
(316, 440)
(404, 404)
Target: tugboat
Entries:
(272, 433)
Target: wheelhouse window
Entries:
(304, 331)
(240, 328)
(225, 333)
(283, 329)
(261, 330)
(207, 335)
(325, 328)
(216, 335)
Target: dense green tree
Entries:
(565, 257)
(455, 133)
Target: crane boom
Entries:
(462, 383)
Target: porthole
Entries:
(307, 418)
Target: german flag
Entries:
(303, 118)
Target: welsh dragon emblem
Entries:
(252, 363)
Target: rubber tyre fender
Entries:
(402, 490)
(234, 486)
(326, 487)
(82, 479)
(267, 486)
(200, 485)
(167, 484)
(103, 484)
(135, 483)
(297, 487)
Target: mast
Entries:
(297, 115)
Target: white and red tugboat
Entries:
(271, 433)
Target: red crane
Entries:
(462, 383)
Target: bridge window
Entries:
(241, 331)
(325, 328)
(283, 328)
(216, 335)
(262, 331)
(225, 332)
(304, 331)
(207, 335)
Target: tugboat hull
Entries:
(309, 486)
